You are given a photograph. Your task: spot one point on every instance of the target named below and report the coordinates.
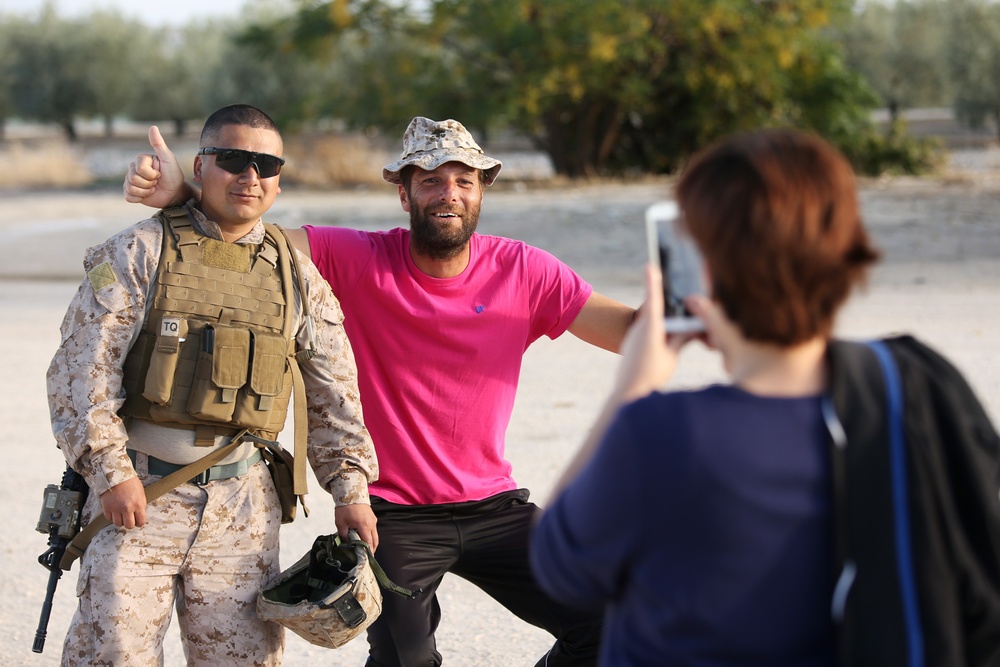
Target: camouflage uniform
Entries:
(211, 547)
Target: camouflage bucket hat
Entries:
(331, 595)
(428, 144)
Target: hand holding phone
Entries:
(679, 261)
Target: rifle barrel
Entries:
(43, 620)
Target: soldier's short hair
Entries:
(236, 114)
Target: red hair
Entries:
(775, 214)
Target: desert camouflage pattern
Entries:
(188, 554)
(318, 622)
(192, 538)
(103, 321)
(428, 144)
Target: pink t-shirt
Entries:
(439, 359)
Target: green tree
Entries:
(49, 81)
(901, 50)
(177, 72)
(367, 63)
(603, 86)
(566, 73)
(8, 58)
(256, 69)
(112, 75)
(975, 61)
(607, 85)
(109, 44)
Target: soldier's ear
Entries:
(199, 163)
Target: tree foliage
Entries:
(176, 69)
(975, 61)
(58, 71)
(930, 53)
(48, 79)
(374, 66)
(901, 50)
(603, 86)
(109, 42)
(8, 60)
(256, 68)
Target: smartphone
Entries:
(679, 261)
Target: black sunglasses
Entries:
(236, 161)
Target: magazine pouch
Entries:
(268, 390)
(163, 360)
(221, 371)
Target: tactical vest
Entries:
(218, 345)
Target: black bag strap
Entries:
(842, 535)
(864, 413)
(900, 503)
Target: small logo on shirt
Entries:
(480, 308)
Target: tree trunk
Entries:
(555, 142)
(69, 129)
(893, 112)
(580, 139)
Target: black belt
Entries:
(226, 471)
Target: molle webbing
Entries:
(217, 352)
(217, 293)
(218, 345)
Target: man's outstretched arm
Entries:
(603, 322)
(157, 180)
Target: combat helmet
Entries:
(331, 595)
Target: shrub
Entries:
(895, 152)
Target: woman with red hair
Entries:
(701, 520)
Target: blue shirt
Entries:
(703, 526)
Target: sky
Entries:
(150, 12)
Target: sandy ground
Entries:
(940, 280)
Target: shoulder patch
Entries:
(101, 276)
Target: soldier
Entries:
(185, 337)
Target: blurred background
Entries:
(563, 89)
(603, 99)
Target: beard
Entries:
(433, 240)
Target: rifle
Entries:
(60, 518)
